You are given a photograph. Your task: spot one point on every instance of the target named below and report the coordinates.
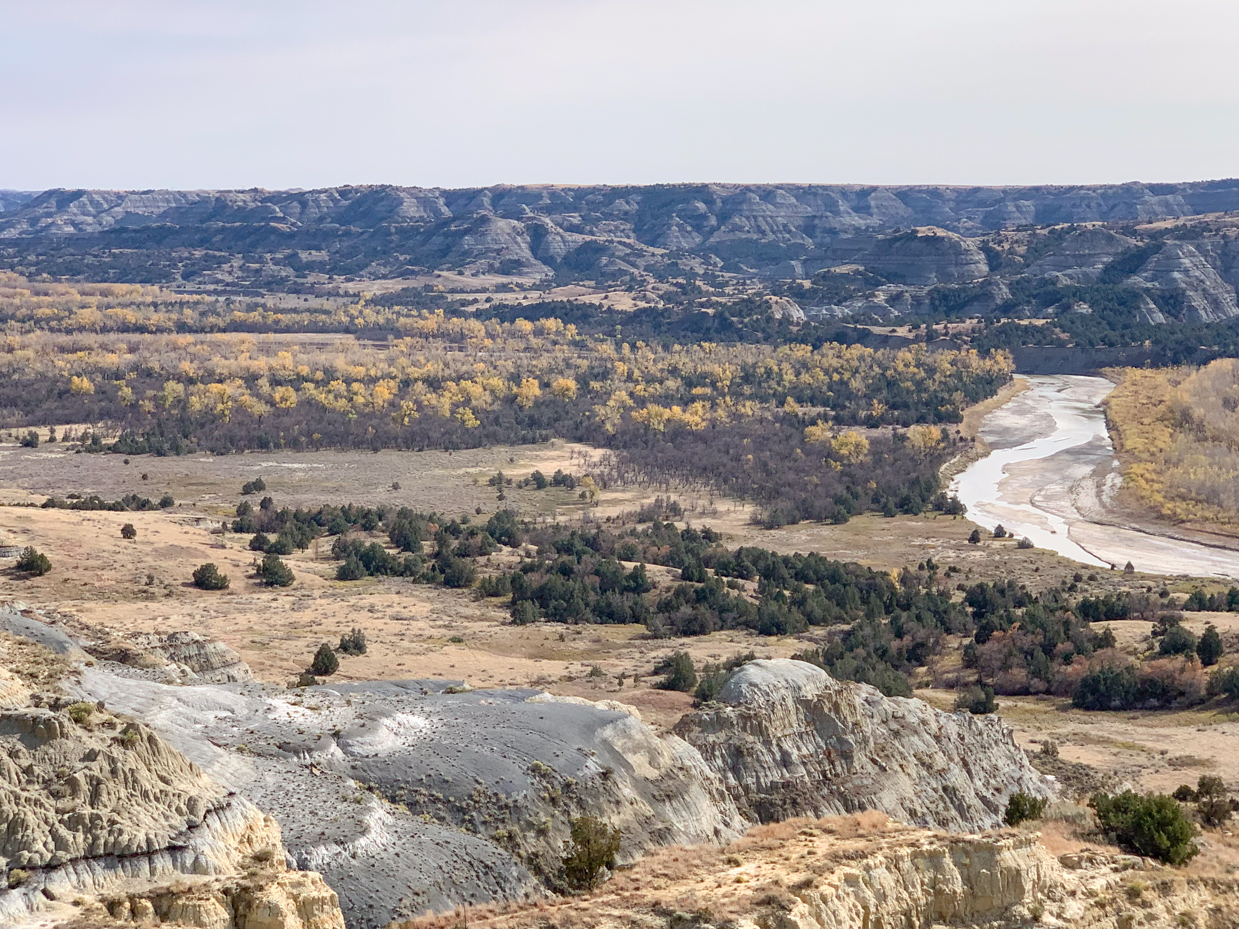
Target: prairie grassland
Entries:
(1177, 434)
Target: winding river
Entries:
(1051, 477)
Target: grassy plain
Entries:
(109, 587)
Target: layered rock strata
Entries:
(789, 740)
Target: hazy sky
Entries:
(266, 93)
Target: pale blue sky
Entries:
(222, 93)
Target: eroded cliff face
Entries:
(789, 740)
(100, 810)
(862, 872)
(181, 657)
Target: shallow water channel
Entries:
(1052, 474)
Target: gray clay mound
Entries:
(467, 795)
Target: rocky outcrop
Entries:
(470, 795)
(185, 657)
(967, 881)
(272, 899)
(855, 873)
(927, 256)
(92, 806)
(87, 786)
(789, 740)
(1082, 254)
(1182, 272)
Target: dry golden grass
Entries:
(1177, 434)
(757, 871)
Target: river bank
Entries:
(1052, 476)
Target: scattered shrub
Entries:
(1209, 648)
(1106, 688)
(1225, 682)
(256, 486)
(325, 662)
(1177, 641)
(33, 562)
(1152, 825)
(274, 573)
(128, 531)
(975, 537)
(1024, 543)
(30, 439)
(81, 713)
(1022, 807)
(457, 572)
(591, 850)
(207, 577)
(714, 676)
(524, 612)
(977, 700)
(351, 569)
(1213, 805)
(678, 673)
(353, 643)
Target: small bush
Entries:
(975, 538)
(33, 562)
(1106, 688)
(524, 612)
(592, 849)
(497, 585)
(977, 700)
(693, 572)
(1177, 641)
(1025, 543)
(256, 486)
(352, 569)
(30, 439)
(166, 502)
(207, 577)
(1152, 825)
(1213, 806)
(353, 643)
(714, 676)
(1209, 648)
(458, 572)
(678, 673)
(280, 545)
(81, 713)
(1022, 807)
(127, 531)
(274, 573)
(325, 662)
(1225, 683)
(18, 876)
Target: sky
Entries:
(461, 93)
